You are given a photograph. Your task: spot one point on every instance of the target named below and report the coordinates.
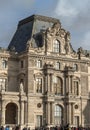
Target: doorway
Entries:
(11, 114)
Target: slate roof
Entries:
(27, 28)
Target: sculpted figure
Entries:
(54, 30)
(67, 46)
(21, 87)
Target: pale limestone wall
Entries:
(13, 75)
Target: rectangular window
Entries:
(22, 64)
(39, 63)
(39, 85)
(39, 120)
(54, 79)
(4, 64)
(76, 88)
(76, 119)
(56, 46)
(57, 65)
(3, 84)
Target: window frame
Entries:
(58, 88)
(75, 66)
(57, 65)
(39, 121)
(4, 64)
(39, 64)
(58, 115)
(76, 86)
(56, 46)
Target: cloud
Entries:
(64, 8)
(11, 11)
(71, 10)
(85, 42)
(74, 16)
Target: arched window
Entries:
(4, 64)
(56, 46)
(58, 86)
(58, 115)
(75, 67)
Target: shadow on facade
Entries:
(86, 113)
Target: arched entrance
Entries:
(58, 115)
(11, 114)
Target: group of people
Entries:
(13, 128)
(65, 127)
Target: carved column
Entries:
(22, 112)
(72, 113)
(48, 76)
(48, 113)
(52, 120)
(69, 84)
(3, 114)
(67, 119)
(46, 83)
(69, 107)
(18, 120)
(51, 83)
(25, 112)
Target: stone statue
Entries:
(21, 87)
(67, 46)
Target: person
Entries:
(7, 128)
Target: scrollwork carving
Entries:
(67, 46)
(54, 30)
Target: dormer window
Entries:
(56, 46)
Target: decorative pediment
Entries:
(54, 30)
(61, 35)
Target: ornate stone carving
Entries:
(67, 46)
(21, 87)
(29, 45)
(39, 105)
(62, 33)
(54, 30)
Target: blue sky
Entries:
(74, 16)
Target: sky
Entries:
(74, 16)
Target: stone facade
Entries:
(43, 81)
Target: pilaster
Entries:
(3, 114)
